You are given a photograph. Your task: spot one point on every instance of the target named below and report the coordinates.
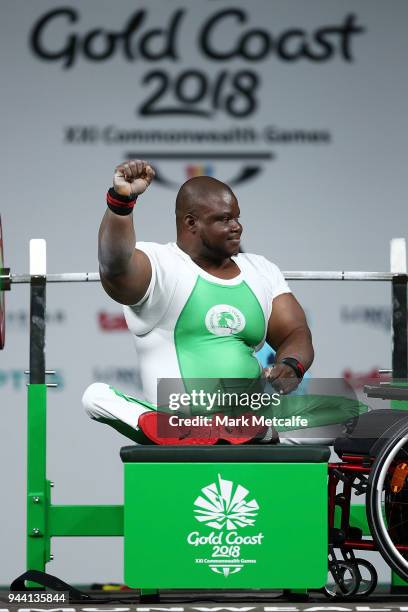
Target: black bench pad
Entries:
(248, 453)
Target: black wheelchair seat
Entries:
(369, 432)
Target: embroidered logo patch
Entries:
(224, 320)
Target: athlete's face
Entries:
(218, 224)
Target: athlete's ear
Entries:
(190, 221)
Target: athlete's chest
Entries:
(213, 310)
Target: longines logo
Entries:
(224, 508)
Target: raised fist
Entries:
(132, 177)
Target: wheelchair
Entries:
(374, 463)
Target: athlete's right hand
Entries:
(132, 177)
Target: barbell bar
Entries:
(7, 279)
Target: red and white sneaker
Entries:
(240, 434)
(156, 426)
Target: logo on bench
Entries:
(225, 508)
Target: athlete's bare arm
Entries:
(125, 271)
(289, 334)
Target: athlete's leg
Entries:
(138, 420)
(107, 405)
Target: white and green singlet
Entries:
(192, 325)
(203, 332)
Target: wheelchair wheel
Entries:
(387, 506)
(342, 580)
(367, 577)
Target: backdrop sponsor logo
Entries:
(109, 322)
(16, 380)
(357, 380)
(375, 316)
(234, 49)
(116, 376)
(20, 319)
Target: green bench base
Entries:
(232, 525)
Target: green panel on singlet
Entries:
(217, 331)
(226, 525)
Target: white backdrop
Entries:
(307, 120)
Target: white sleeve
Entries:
(142, 317)
(276, 282)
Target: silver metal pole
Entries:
(64, 277)
(338, 276)
(306, 275)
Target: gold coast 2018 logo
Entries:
(224, 508)
(204, 64)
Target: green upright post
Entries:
(38, 488)
(43, 519)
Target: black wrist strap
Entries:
(296, 366)
(119, 204)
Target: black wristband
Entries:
(296, 366)
(119, 204)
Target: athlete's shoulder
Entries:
(161, 254)
(257, 262)
(154, 247)
(268, 273)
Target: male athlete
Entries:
(197, 308)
